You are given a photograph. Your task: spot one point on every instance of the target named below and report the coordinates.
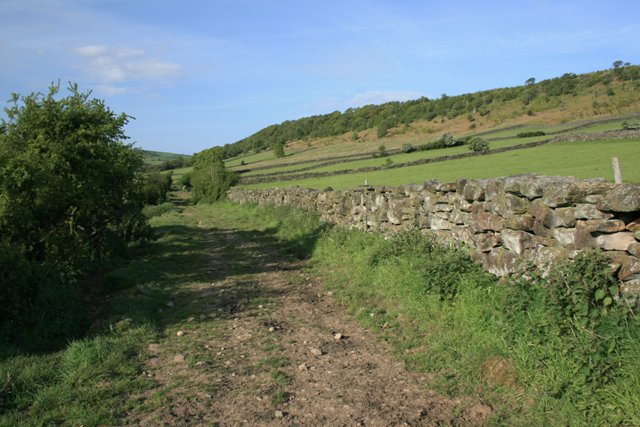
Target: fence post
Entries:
(617, 173)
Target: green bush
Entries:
(529, 134)
(627, 125)
(210, 179)
(155, 187)
(445, 141)
(478, 145)
(382, 151)
(70, 199)
(408, 148)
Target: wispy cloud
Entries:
(114, 68)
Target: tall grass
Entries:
(551, 351)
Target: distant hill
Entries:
(557, 100)
(154, 158)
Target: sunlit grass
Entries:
(580, 159)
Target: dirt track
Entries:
(264, 344)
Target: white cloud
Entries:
(380, 97)
(110, 66)
(93, 50)
(111, 90)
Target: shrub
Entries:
(210, 179)
(626, 125)
(529, 134)
(478, 145)
(448, 140)
(382, 151)
(445, 141)
(155, 187)
(407, 148)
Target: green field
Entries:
(152, 158)
(314, 158)
(398, 158)
(579, 159)
(249, 159)
(177, 173)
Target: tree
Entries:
(64, 170)
(69, 198)
(617, 64)
(210, 179)
(530, 81)
(278, 150)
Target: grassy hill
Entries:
(554, 101)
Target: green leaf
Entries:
(613, 290)
(599, 294)
(607, 301)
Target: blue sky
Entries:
(196, 74)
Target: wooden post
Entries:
(365, 183)
(617, 173)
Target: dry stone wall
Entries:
(503, 221)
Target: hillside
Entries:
(567, 98)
